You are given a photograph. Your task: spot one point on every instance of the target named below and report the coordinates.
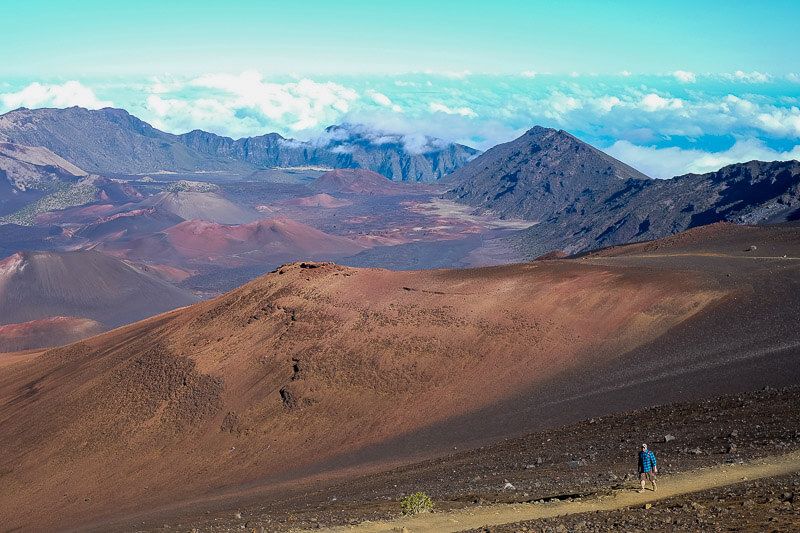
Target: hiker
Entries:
(647, 467)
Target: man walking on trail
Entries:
(647, 467)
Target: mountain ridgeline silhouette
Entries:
(112, 141)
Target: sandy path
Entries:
(688, 254)
(675, 485)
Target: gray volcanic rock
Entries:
(582, 198)
(541, 174)
(112, 141)
(745, 193)
(270, 150)
(106, 141)
(398, 157)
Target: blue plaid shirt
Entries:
(647, 461)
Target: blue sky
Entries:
(667, 86)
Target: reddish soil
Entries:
(721, 237)
(51, 331)
(318, 372)
(322, 200)
(358, 181)
(197, 241)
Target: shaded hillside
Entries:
(582, 199)
(127, 223)
(85, 284)
(318, 369)
(107, 141)
(747, 193)
(541, 174)
(14, 237)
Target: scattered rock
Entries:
(648, 505)
(732, 447)
(508, 486)
(237, 515)
(669, 438)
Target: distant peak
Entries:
(542, 130)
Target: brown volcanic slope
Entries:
(720, 238)
(272, 240)
(322, 200)
(357, 181)
(311, 373)
(52, 331)
(85, 284)
(190, 205)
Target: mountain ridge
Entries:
(581, 198)
(541, 173)
(743, 193)
(113, 141)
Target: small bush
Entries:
(419, 502)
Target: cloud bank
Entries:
(673, 161)
(665, 124)
(68, 94)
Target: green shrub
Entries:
(419, 502)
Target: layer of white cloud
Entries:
(653, 102)
(605, 104)
(749, 77)
(438, 107)
(674, 161)
(304, 104)
(68, 94)
(685, 76)
(477, 110)
(383, 100)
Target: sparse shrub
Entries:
(419, 502)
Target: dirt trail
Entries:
(698, 254)
(670, 486)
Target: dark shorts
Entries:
(647, 475)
